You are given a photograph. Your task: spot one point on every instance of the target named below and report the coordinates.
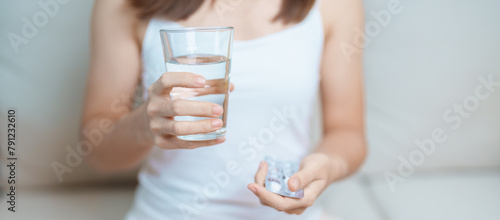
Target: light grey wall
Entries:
(45, 81)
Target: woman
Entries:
(284, 52)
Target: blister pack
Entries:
(278, 173)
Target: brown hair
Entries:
(291, 10)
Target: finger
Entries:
(302, 178)
(260, 175)
(207, 91)
(276, 201)
(176, 79)
(190, 108)
(312, 191)
(210, 88)
(253, 189)
(223, 83)
(173, 142)
(215, 86)
(165, 126)
(296, 211)
(179, 93)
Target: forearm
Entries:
(125, 146)
(346, 149)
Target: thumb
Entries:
(301, 179)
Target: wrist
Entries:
(141, 127)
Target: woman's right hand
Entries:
(161, 109)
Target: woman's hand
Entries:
(313, 176)
(161, 109)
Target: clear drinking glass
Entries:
(205, 51)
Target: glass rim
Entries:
(187, 29)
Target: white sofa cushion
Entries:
(428, 58)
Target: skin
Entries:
(116, 67)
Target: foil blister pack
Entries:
(278, 173)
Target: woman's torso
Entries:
(276, 78)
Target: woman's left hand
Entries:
(313, 176)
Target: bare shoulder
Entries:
(115, 61)
(114, 9)
(120, 16)
(341, 14)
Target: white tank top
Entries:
(276, 81)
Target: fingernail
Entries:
(253, 189)
(294, 183)
(221, 139)
(217, 110)
(199, 80)
(216, 123)
(261, 164)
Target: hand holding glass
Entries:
(203, 51)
